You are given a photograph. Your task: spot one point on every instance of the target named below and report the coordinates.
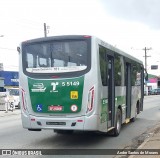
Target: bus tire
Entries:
(118, 124)
(63, 131)
(138, 108)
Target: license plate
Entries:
(55, 108)
(55, 123)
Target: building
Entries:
(11, 78)
(10, 84)
(1, 66)
(1, 84)
(153, 82)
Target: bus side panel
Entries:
(92, 118)
(26, 121)
(136, 95)
(103, 124)
(120, 100)
(23, 91)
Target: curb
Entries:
(152, 132)
(142, 145)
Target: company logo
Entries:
(54, 86)
(6, 152)
(38, 87)
(14, 80)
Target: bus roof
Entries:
(114, 49)
(103, 43)
(57, 38)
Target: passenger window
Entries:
(103, 65)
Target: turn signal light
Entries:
(23, 99)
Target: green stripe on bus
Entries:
(119, 100)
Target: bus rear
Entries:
(57, 91)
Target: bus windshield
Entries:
(55, 56)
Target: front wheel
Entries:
(118, 124)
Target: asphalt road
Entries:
(13, 136)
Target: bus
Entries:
(78, 83)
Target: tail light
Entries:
(90, 99)
(23, 99)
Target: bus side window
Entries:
(29, 61)
(136, 75)
(103, 65)
(119, 70)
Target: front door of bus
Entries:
(111, 92)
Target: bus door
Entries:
(128, 90)
(111, 91)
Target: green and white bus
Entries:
(78, 83)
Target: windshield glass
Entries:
(14, 92)
(56, 56)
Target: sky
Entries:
(130, 25)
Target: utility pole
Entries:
(45, 30)
(145, 56)
(145, 50)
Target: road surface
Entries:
(13, 136)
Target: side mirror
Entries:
(18, 49)
(146, 75)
